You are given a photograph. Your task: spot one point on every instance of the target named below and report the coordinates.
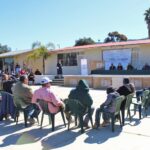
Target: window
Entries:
(68, 59)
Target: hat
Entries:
(45, 80)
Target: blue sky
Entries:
(63, 21)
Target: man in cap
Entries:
(45, 93)
(106, 108)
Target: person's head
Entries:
(45, 82)
(126, 81)
(83, 85)
(110, 90)
(24, 79)
(5, 77)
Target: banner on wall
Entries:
(84, 67)
(122, 56)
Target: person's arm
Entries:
(108, 100)
(55, 100)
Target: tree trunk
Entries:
(43, 66)
(148, 26)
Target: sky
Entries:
(62, 22)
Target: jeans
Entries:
(106, 114)
(32, 111)
(139, 94)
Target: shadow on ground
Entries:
(101, 135)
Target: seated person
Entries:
(22, 98)
(106, 108)
(31, 77)
(146, 67)
(130, 67)
(119, 67)
(112, 67)
(81, 93)
(37, 72)
(126, 89)
(46, 94)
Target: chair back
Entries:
(129, 100)
(145, 97)
(118, 102)
(43, 105)
(75, 106)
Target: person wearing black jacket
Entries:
(126, 89)
(7, 83)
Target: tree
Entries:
(39, 51)
(115, 37)
(84, 41)
(4, 49)
(147, 19)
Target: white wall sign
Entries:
(122, 56)
(84, 68)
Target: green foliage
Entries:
(4, 49)
(40, 51)
(147, 19)
(84, 41)
(115, 37)
(147, 15)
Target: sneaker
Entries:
(31, 121)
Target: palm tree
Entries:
(39, 51)
(147, 19)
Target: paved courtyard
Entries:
(134, 135)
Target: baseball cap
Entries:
(45, 80)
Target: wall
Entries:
(32, 64)
(144, 54)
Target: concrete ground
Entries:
(134, 135)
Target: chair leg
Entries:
(122, 112)
(129, 113)
(120, 120)
(37, 120)
(76, 120)
(53, 121)
(135, 107)
(69, 116)
(139, 106)
(63, 117)
(112, 122)
(25, 118)
(81, 123)
(42, 120)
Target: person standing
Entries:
(59, 69)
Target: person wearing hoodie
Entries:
(106, 108)
(81, 93)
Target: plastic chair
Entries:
(127, 105)
(45, 111)
(77, 109)
(143, 103)
(118, 102)
(25, 113)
